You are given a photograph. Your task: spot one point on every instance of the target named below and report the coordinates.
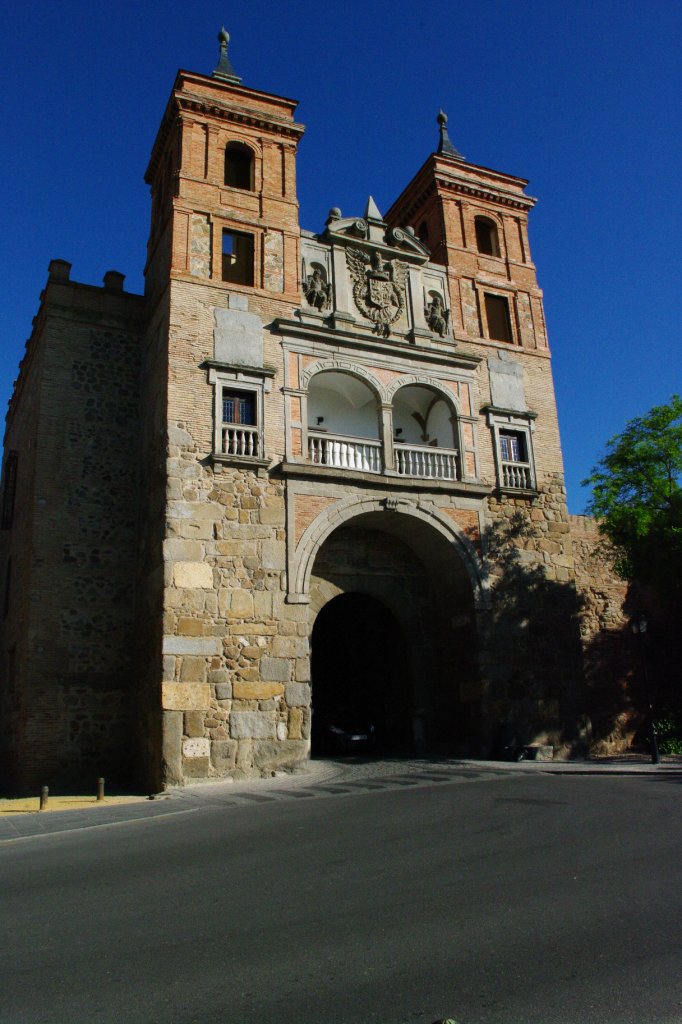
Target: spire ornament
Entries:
(445, 146)
(224, 69)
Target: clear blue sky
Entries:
(581, 98)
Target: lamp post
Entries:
(639, 627)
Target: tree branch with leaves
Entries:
(637, 499)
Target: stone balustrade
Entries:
(344, 452)
(517, 475)
(427, 462)
(239, 440)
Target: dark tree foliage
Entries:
(637, 498)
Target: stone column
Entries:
(387, 436)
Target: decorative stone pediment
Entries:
(361, 274)
(373, 228)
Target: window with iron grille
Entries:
(239, 407)
(512, 447)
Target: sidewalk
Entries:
(20, 819)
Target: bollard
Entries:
(44, 793)
(100, 789)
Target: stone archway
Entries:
(361, 679)
(419, 578)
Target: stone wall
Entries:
(76, 635)
(531, 658)
(610, 662)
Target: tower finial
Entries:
(445, 146)
(224, 69)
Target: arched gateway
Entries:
(392, 632)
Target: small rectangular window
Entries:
(512, 447)
(239, 407)
(9, 490)
(238, 250)
(497, 315)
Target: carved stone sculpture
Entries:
(317, 291)
(437, 316)
(378, 288)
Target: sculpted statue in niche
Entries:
(437, 316)
(317, 291)
(378, 288)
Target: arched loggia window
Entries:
(487, 240)
(239, 166)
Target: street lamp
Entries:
(639, 627)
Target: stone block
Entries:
(278, 754)
(192, 530)
(191, 627)
(262, 604)
(176, 550)
(282, 731)
(179, 437)
(223, 755)
(252, 725)
(506, 382)
(238, 337)
(194, 510)
(199, 747)
(192, 574)
(273, 555)
(206, 645)
(223, 691)
(252, 629)
(171, 748)
(219, 733)
(193, 670)
(244, 690)
(303, 670)
(275, 669)
(296, 723)
(241, 604)
(218, 675)
(272, 516)
(196, 768)
(194, 724)
(297, 694)
(185, 697)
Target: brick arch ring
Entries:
(342, 512)
(428, 382)
(342, 366)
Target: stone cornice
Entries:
(499, 196)
(393, 347)
(384, 481)
(496, 410)
(214, 364)
(241, 115)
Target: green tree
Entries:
(637, 498)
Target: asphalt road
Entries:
(494, 900)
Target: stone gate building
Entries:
(306, 475)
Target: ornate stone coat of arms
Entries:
(378, 288)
